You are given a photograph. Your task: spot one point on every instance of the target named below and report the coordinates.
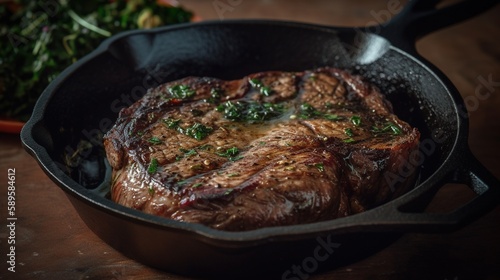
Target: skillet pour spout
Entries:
(132, 62)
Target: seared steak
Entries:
(271, 149)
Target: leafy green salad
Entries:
(41, 38)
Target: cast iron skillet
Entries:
(83, 101)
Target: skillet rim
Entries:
(263, 235)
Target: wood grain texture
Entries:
(53, 243)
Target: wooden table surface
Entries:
(53, 243)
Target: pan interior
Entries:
(85, 102)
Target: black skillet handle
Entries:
(420, 17)
(474, 175)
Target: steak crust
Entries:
(271, 149)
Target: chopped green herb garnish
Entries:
(151, 190)
(320, 166)
(154, 140)
(181, 91)
(396, 130)
(250, 111)
(233, 175)
(215, 95)
(349, 140)
(196, 185)
(171, 123)
(356, 120)
(256, 83)
(198, 131)
(231, 154)
(349, 132)
(188, 153)
(228, 191)
(307, 111)
(389, 127)
(153, 166)
(264, 90)
(236, 158)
